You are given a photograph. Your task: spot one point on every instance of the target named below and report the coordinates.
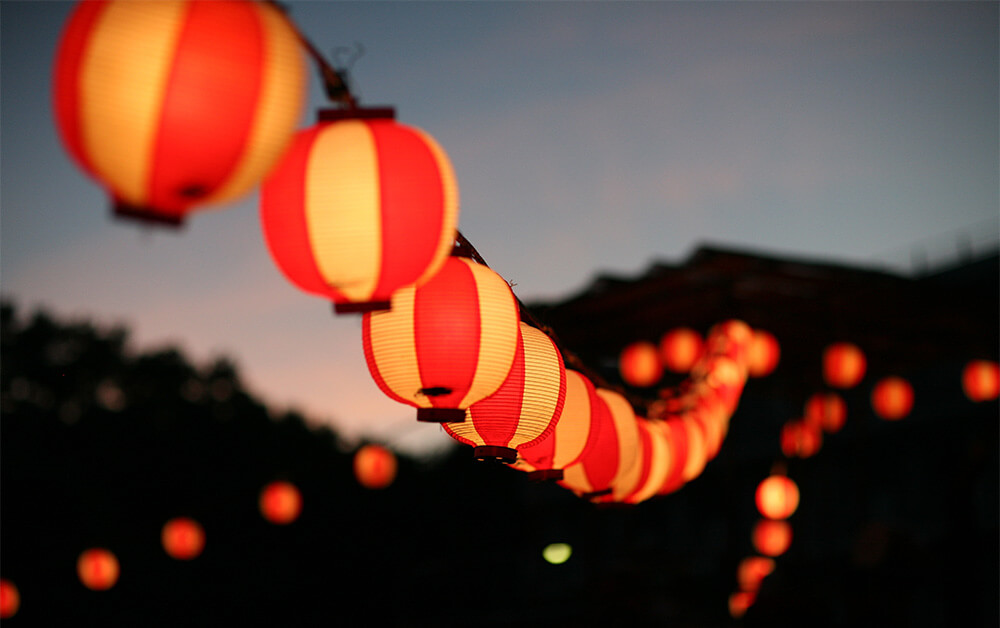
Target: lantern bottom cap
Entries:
(360, 307)
(493, 452)
(596, 494)
(150, 215)
(545, 475)
(440, 415)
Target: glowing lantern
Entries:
(772, 537)
(764, 353)
(676, 434)
(10, 599)
(844, 365)
(183, 538)
(639, 364)
(446, 344)
(752, 570)
(697, 456)
(655, 459)
(175, 104)
(740, 602)
(680, 348)
(524, 409)
(892, 398)
(280, 502)
(627, 429)
(374, 467)
(547, 457)
(981, 380)
(610, 460)
(777, 497)
(801, 439)
(98, 569)
(826, 411)
(359, 208)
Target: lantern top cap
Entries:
(356, 113)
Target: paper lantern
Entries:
(639, 364)
(280, 502)
(697, 456)
(360, 207)
(676, 435)
(374, 467)
(610, 459)
(654, 455)
(763, 354)
(10, 599)
(772, 537)
(175, 104)
(525, 408)
(740, 602)
(892, 398)
(752, 570)
(680, 348)
(777, 497)
(826, 411)
(547, 457)
(801, 439)
(844, 365)
(446, 344)
(97, 569)
(981, 380)
(627, 430)
(183, 538)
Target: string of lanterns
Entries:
(179, 105)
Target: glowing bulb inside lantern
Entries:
(557, 553)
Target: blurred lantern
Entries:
(639, 364)
(280, 502)
(777, 497)
(697, 456)
(547, 457)
(844, 365)
(981, 380)
(826, 411)
(98, 569)
(680, 348)
(374, 466)
(655, 462)
(10, 599)
(360, 207)
(764, 353)
(740, 602)
(752, 570)
(800, 438)
(177, 103)
(627, 429)
(525, 408)
(183, 538)
(609, 461)
(446, 344)
(772, 537)
(892, 398)
(676, 434)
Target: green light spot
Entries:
(557, 553)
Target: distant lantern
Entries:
(764, 353)
(697, 456)
(639, 364)
(981, 380)
(777, 497)
(183, 538)
(680, 348)
(844, 365)
(547, 457)
(526, 407)
(280, 502)
(892, 398)
(752, 570)
(178, 103)
(360, 207)
(826, 411)
(10, 599)
(97, 569)
(740, 602)
(446, 344)
(801, 438)
(772, 537)
(374, 467)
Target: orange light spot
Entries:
(844, 365)
(10, 599)
(772, 537)
(764, 354)
(280, 502)
(777, 497)
(826, 411)
(98, 569)
(752, 570)
(680, 348)
(639, 364)
(374, 466)
(892, 398)
(183, 538)
(981, 380)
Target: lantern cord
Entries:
(464, 248)
(334, 83)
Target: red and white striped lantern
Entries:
(446, 344)
(526, 407)
(175, 104)
(360, 207)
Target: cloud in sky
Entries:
(587, 137)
